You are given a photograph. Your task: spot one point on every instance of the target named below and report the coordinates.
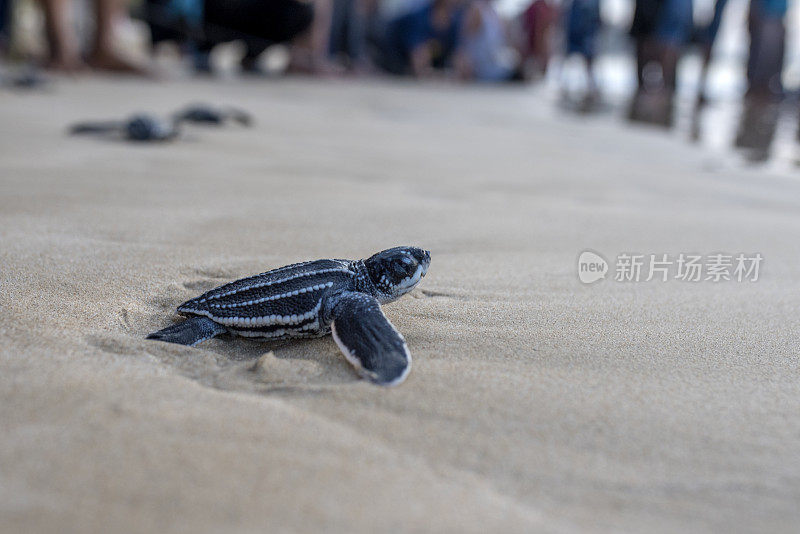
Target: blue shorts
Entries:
(770, 8)
(583, 25)
(674, 26)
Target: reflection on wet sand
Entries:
(761, 131)
(757, 126)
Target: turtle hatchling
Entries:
(141, 127)
(205, 114)
(313, 299)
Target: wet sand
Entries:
(535, 403)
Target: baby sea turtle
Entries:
(29, 77)
(313, 299)
(205, 114)
(141, 127)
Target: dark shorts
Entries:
(583, 25)
(674, 25)
(5, 15)
(259, 23)
(275, 21)
(669, 21)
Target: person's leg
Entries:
(347, 33)
(337, 42)
(310, 50)
(669, 55)
(767, 48)
(593, 25)
(707, 37)
(673, 26)
(103, 55)
(105, 17)
(5, 13)
(591, 77)
(253, 49)
(672, 32)
(646, 54)
(356, 33)
(61, 38)
(386, 52)
(757, 127)
(642, 27)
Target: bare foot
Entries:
(306, 64)
(113, 63)
(65, 63)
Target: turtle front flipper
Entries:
(368, 340)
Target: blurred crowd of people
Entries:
(465, 39)
(457, 39)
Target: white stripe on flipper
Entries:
(355, 362)
(274, 282)
(294, 293)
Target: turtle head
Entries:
(396, 271)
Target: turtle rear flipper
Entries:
(97, 127)
(368, 340)
(240, 116)
(190, 332)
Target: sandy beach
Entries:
(535, 403)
